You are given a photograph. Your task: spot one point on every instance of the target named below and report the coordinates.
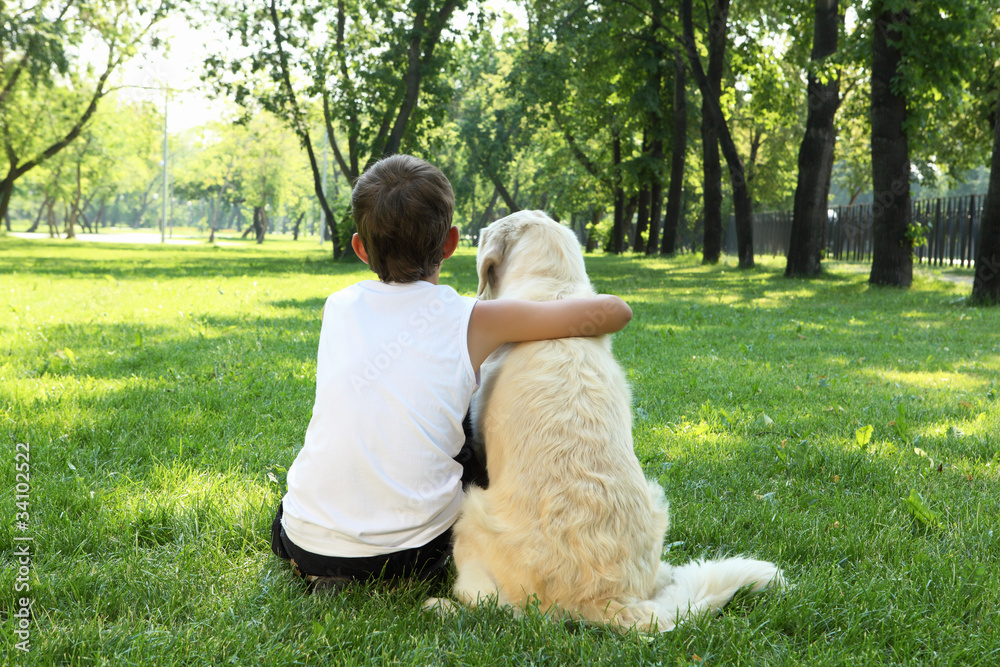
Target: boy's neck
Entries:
(432, 278)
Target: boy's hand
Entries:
(500, 321)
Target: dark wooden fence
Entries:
(950, 225)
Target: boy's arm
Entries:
(494, 323)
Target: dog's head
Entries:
(527, 255)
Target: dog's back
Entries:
(564, 481)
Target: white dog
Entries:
(569, 519)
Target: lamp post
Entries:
(166, 174)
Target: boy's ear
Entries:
(492, 248)
(359, 248)
(451, 242)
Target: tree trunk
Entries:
(215, 219)
(655, 207)
(809, 215)
(642, 219)
(50, 218)
(136, 221)
(236, 221)
(99, 216)
(742, 206)
(630, 205)
(595, 217)
(711, 165)
(484, 219)
(82, 205)
(986, 285)
(651, 243)
(74, 207)
(41, 212)
(6, 191)
(618, 229)
(259, 223)
(892, 257)
(712, 194)
(508, 199)
(646, 176)
(678, 152)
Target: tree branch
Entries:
(331, 135)
(300, 128)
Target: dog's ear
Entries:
(492, 248)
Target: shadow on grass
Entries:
(124, 261)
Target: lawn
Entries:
(158, 394)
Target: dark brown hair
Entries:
(403, 208)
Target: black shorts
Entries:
(424, 562)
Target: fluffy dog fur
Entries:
(569, 518)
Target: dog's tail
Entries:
(706, 586)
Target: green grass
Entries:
(164, 390)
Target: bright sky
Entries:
(178, 66)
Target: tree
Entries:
(102, 165)
(922, 55)
(257, 163)
(986, 285)
(678, 153)
(377, 72)
(852, 167)
(575, 75)
(710, 164)
(809, 216)
(605, 71)
(742, 206)
(892, 253)
(766, 110)
(490, 116)
(212, 173)
(36, 53)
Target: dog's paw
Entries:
(440, 606)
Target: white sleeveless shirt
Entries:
(393, 382)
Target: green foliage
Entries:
(917, 506)
(947, 74)
(48, 91)
(863, 435)
(350, 60)
(767, 115)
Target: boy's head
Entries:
(403, 208)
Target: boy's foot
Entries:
(317, 584)
(326, 584)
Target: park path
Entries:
(123, 237)
(961, 280)
(113, 237)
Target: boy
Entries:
(378, 484)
